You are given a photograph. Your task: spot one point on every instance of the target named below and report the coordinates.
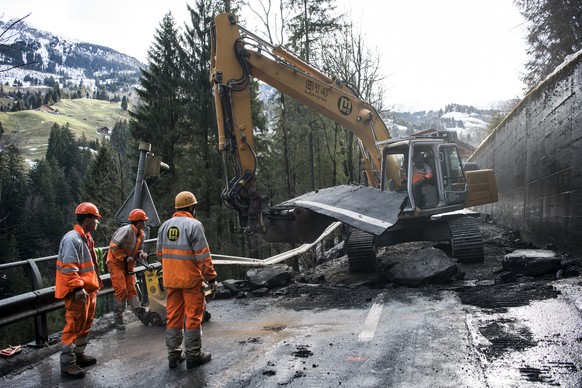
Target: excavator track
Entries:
(466, 240)
(361, 251)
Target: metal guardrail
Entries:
(41, 300)
(224, 259)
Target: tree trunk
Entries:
(286, 161)
(311, 160)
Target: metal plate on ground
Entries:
(365, 208)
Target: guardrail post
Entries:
(40, 323)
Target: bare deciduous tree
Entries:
(357, 66)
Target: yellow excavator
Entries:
(389, 210)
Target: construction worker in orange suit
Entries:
(127, 244)
(77, 282)
(186, 263)
(421, 176)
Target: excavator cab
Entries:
(445, 191)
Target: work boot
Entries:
(142, 315)
(174, 360)
(139, 311)
(198, 359)
(84, 360)
(174, 344)
(118, 309)
(193, 345)
(73, 372)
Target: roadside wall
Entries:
(536, 154)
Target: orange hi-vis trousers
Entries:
(185, 303)
(123, 283)
(79, 316)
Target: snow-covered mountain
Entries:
(26, 52)
(470, 127)
(471, 124)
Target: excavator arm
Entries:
(237, 55)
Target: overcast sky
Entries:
(433, 52)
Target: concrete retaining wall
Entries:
(536, 154)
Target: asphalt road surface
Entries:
(464, 334)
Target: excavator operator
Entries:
(420, 178)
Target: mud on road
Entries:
(504, 334)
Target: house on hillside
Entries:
(465, 150)
(103, 130)
(47, 109)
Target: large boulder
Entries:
(270, 277)
(222, 292)
(425, 266)
(235, 286)
(531, 262)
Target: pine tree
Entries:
(102, 186)
(65, 150)
(120, 137)
(554, 32)
(200, 161)
(120, 143)
(62, 146)
(197, 160)
(312, 20)
(47, 212)
(12, 199)
(156, 119)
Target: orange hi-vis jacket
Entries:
(184, 252)
(126, 241)
(421, 173)
(76, 264)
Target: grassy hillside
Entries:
(84, 116)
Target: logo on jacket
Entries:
(173, 233)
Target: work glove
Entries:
(129, 259)
(81, 295)
(212, 285)
(143, 255)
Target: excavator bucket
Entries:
(362, 207)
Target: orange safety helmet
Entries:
(185, 199)
(87, 208)
(137, 215)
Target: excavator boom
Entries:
(236, 55)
